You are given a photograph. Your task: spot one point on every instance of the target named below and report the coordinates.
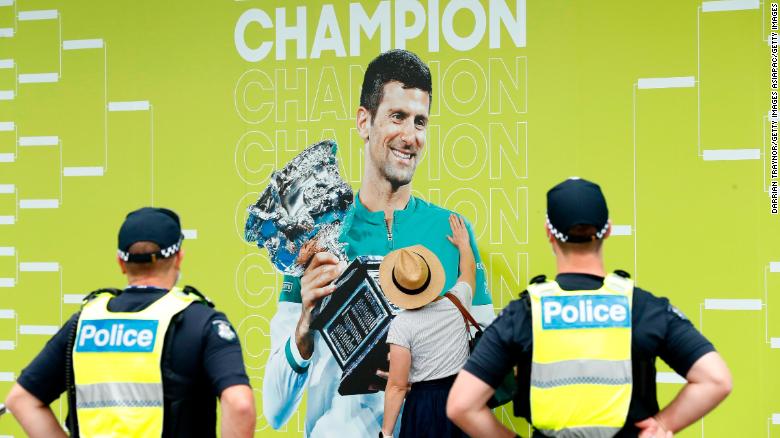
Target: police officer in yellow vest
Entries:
(147, 361)
(584, 345)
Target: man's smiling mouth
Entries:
(402, 155)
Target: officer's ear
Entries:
(550, 237)
(178, 258)
(122, 265)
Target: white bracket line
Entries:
(6, 251)
(729, 5)
(7, 126)
(725, 154)
(47, 140)
(82, 171)
(621, 230)
(82, 44)
(731, 154)
(38, 329)
(39, 203)
(39, 267)
(6, 63)
(673, 82)
(190, 234)
(732, 304)
(7, 376)
(138, 105)
(669, 377)
(48, 14)
(73, 298)
(6, 189)
(38, 78)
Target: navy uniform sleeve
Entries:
(501, 345)
(683, 344)
(222, 357)
(44, 377)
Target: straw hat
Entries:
(411, 277)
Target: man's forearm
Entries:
(36, 418)
(238, 412)
(694, 401)
(481, 423)
(303, 336)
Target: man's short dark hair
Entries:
(394, 65)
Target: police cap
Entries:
(149, 224)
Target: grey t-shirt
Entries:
(435, 334)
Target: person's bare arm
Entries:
(315, 285)
(238, 411)
(36, 418)
(467, 407)
(460, 238)
(709, 382)
(397, 386)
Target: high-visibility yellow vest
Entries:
(581, 365)
(116, 365)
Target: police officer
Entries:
(585, 344)
(149, 360)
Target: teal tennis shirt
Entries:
(420, 223)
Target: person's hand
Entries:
(316, 280)
(460, 235)
(652, 428)
(315, 285)
(384, 375)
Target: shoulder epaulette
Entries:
(539, 279)
(622, 273)
(110, 290)
(203, 298)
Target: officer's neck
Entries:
(581, 263)
(159, 281)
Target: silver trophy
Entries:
(301, 211)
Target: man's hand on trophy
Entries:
(316, 280)
(315, 285)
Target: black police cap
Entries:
(576, 202)
(149, 224)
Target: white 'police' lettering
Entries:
(117, 335)
(584, 311)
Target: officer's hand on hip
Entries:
(315, 285)
(652, 428)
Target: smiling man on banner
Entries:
(392, 120)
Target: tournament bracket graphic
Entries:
(108, 107)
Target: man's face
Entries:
(396, 135)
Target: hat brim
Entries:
(405, 300)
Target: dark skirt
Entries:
(425, 411)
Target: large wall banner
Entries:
(670, 105)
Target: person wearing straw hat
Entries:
(428, 341)
(585, 345)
